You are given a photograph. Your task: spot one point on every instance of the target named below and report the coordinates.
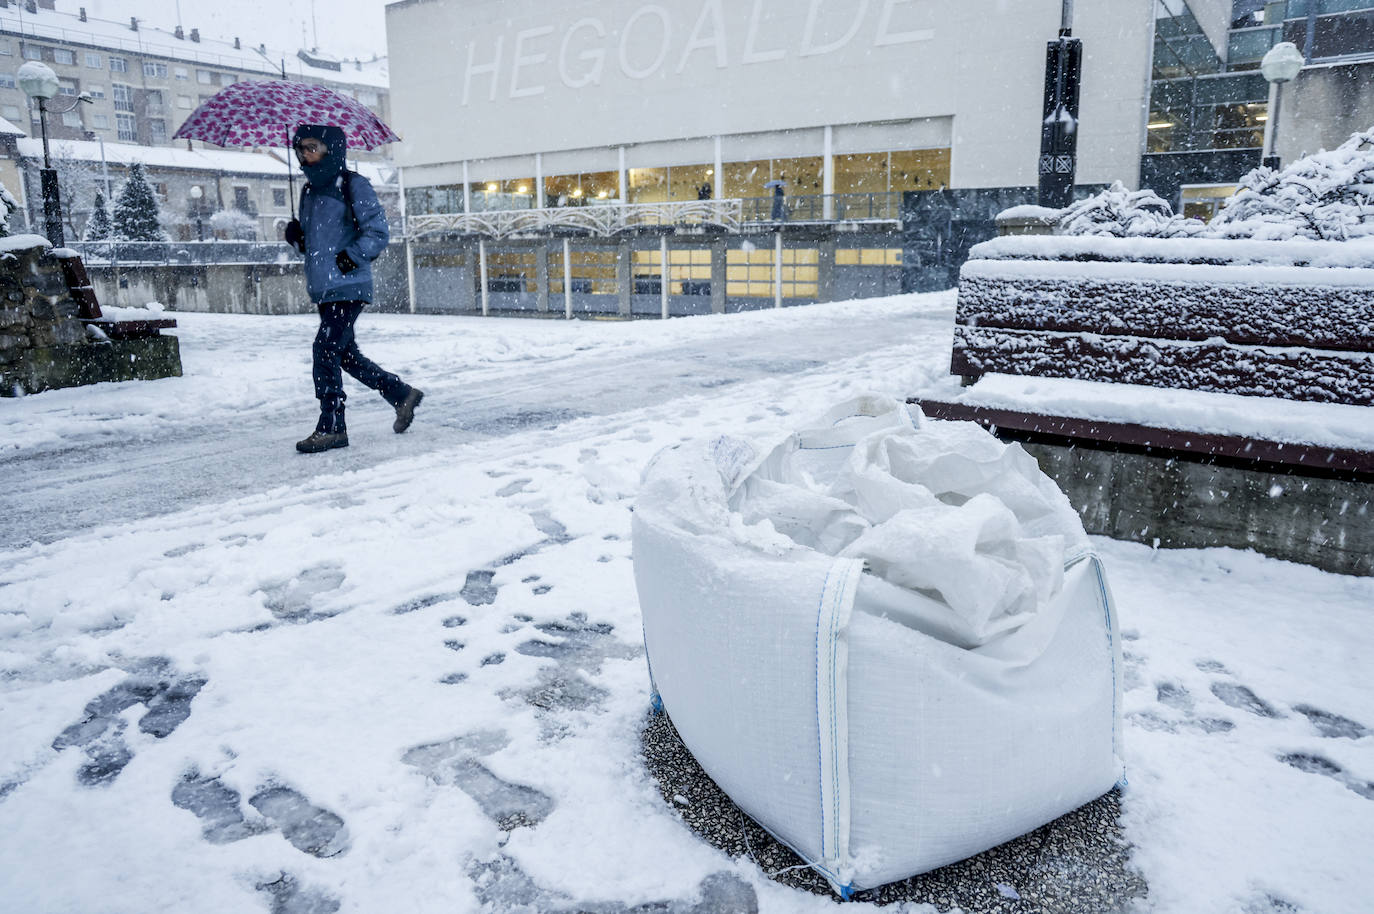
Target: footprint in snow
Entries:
(501, 885)
(290, 897)
(217, 806)
(294, 600)
(310, 829)
(1331, 725)
(1242, 699)
(423, 602)
(100, 731)
(456, 762)
(1316, 764)
(513, 487)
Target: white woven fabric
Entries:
(884, 637)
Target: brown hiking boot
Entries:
(322, 441)
(405, 410)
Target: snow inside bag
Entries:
(884, 637)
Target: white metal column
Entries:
(539, 180)
(828, 175)
(624, 191)
(467, 190)
(405, 233)
(482, 264)
(717, 186)
(663, 275)
(777, 271)
(567, 279)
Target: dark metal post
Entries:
(1059, 120)
(52, 198)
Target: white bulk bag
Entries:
(884, 637)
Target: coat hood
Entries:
(325, 170)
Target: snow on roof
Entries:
(57, 25)
(8, 129)
(267, 162)
(257, 163)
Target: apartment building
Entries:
(143, 80)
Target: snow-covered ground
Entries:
(408, 676)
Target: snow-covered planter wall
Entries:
(36, 311)
(43, 341)
(1290, 319)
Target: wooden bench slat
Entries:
(1185, 445)
(1321, 317)
(1314, 375)
(79, 285)
(133, 330)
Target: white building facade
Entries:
(520, 103)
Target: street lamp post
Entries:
(1281, 64)
(196, 194)
(39, 82)
(1059, 121)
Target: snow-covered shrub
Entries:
(235, 224)
(8, 205)
(1327, 196)
(1121, 213)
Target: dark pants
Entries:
(335, 352)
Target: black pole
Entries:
(1059, 120)
(52, 198)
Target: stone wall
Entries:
(1179, 504)
(43, 343)
(36, 312)
(240, 288)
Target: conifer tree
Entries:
(98, 227)
(136, 211)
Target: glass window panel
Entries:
(919, 169)
(648, 185)
(861, 173)
(801, 175)
(685, 181)
(746, 179)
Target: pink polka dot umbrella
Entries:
(267, 112)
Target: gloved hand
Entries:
(295, 236)
(345, 263)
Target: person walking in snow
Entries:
(341, 230)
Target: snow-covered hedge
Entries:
(1327, 196)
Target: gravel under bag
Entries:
(885, 637)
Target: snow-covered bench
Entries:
(115, 326)
(1250, 355)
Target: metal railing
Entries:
(128, 253)
(607, 220)
(594, 220)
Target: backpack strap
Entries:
(347, 187)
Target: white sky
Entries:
(346, 28)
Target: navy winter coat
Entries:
(329, 228)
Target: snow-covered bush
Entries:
(1327, 196)
(8, 205)
(235, 224)
(1121, 213)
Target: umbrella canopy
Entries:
(264, 113)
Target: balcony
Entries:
(606, 220)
